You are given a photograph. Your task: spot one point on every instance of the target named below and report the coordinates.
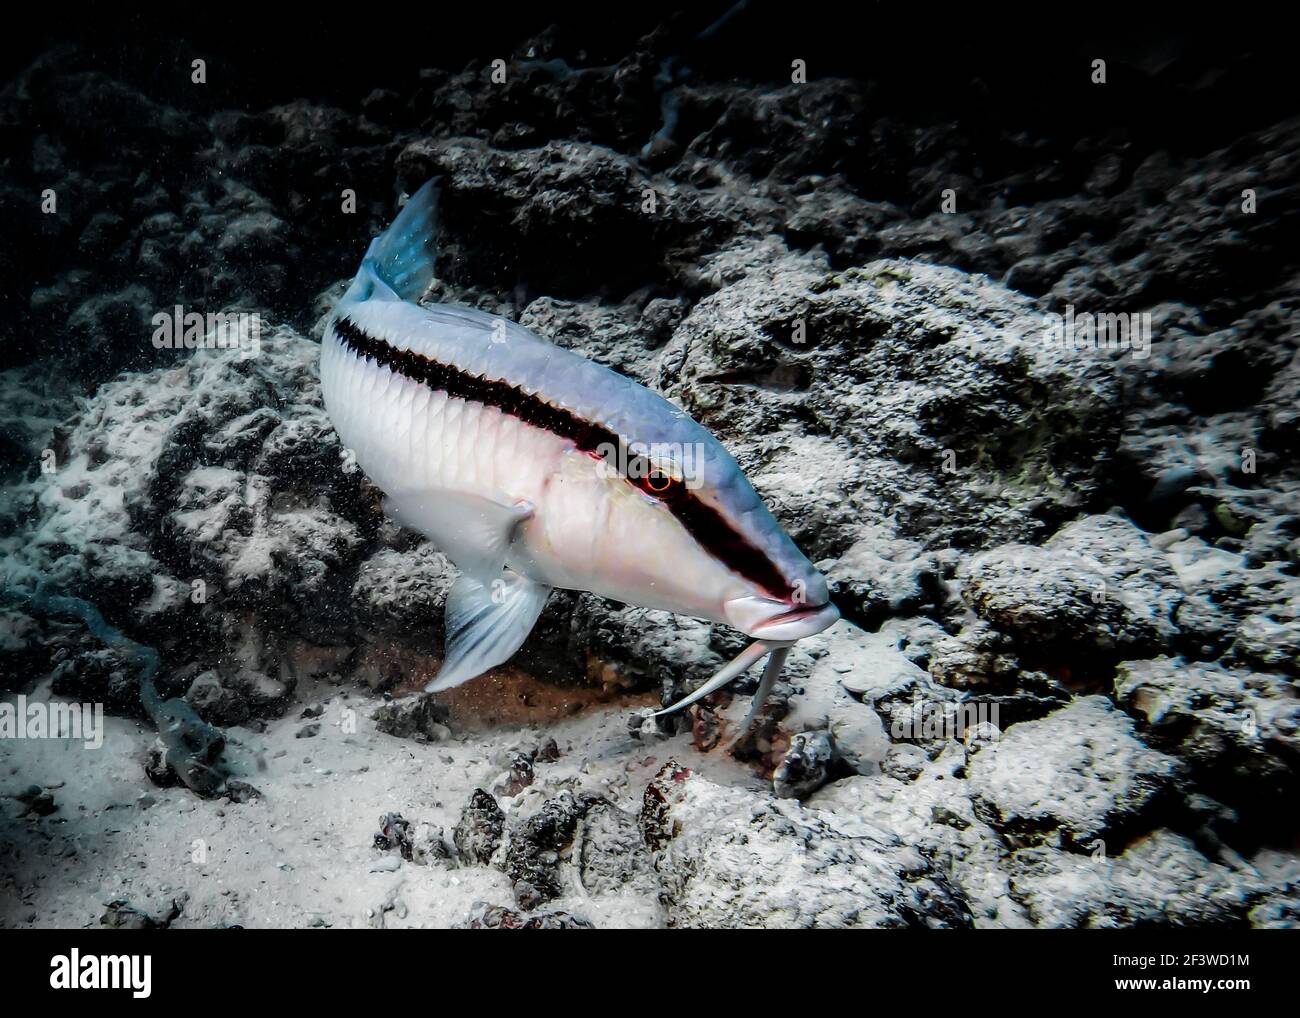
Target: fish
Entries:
(533, 468)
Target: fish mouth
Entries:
(797, 623)
(779, 621)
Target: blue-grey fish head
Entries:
(771, 591)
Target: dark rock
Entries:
(519, 777)
(122, 915)
(1239, 730)
(479, 831)
(532, 860)
(806, 765)
(1096, 585)
(497, 917)
(417, 717)
(394, 833)
(37, 800)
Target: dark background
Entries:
(1200, 73)
(109, 116)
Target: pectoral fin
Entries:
(486, 624)
(474, 532)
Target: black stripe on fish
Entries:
(701, 520)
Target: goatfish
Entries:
(531, 468)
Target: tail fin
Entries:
(403, 256)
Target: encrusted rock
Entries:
(1239, 730)
(1159, 880)
(806, 765)
(478, 833)
(498, 917)
(1078, 774)
(611, 853)
(732, 858)
(534, 847)
(418, 717)
(1097, 584)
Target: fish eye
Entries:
(652, 478)
(658, 481)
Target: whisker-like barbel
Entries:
(738, 665)
(772, 672)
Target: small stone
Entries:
(479, 831)
(805, 766)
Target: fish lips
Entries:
(779, 621)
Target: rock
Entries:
(1270, 639)
(240, 791)
(1276, 908)
(1096, 585)
(731, 858)
(187, 750)
(805, 766)
(479, 831)
(880, 577)
(823, 704)
(122, 915)
(871, 667)
(569, 193)
(394, 834)
(904, 762)
(1159, 880)
(1239, 730)
(611, 854)
(214, 703)
(517, 778)
(191, 471)
(418, 717)
(983, 664)
(978, 658)
(1223, 591)
(37, 800)
(736, 365)
(1077, 775)
(497, 917)
(928, 805)
(401, 592)
(534, 845)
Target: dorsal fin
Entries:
(402, 257)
